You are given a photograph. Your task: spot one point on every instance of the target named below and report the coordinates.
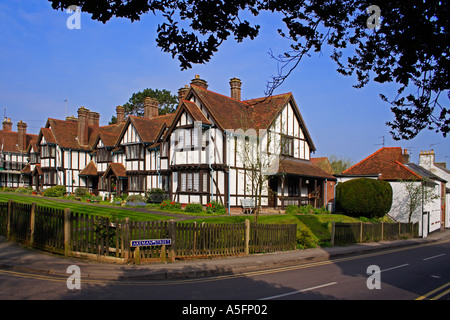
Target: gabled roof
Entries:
(9, 141)
(229, 113)
(89, 170)
(323, 163)
(388, 162)
(148, 129)
(117, 169)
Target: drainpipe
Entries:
(210, 165)
(228, 135)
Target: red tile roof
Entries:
(89, 170)
(9, 141)
(303, 168)
(117, 169)
(388, 162)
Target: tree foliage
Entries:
(409, 49)
(135, 105)
(364, 197)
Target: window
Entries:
(287, 146)
(104, 155)
(134, 151)
(293, 187)
(134, 183)
(190, 182)
(48, 151)
(49, 178)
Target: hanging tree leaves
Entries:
(410, 47)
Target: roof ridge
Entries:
(220, 94)
(370, 156)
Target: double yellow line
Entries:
(429, 295)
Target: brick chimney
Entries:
(120, 111)
(151, 108)
(82, 133)
(94, 119)
(199, 82)
(235, 87)
(22, 136)
(405, 156)
(7, 124)
(182, 93)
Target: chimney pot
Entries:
(7, 124)
(182, 93)
(199, 82)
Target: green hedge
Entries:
(363, 197)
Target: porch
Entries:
(300, 183)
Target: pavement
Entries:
(14, 256)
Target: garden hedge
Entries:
(364, 197)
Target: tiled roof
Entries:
(148, 129)
(9, 141)
(323, 163)
(117, 169)
(229, 113)
(303, 168)
(89, 170)
(195, 112)
(386, 161)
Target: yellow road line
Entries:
(426, 295)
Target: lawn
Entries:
(84, 207)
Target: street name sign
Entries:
(151, 242)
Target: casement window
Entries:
(134, 183)
(189, 139)
(48, 151)
(164, 149)
(102, 183)
(104, 155)
(134, 152)
(49, 178)
(287, 146)
(34, 158)
(190, 182)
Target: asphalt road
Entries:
(417, 272)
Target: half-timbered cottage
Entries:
(206, 143)
(14, 155)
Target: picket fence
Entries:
(82, 235)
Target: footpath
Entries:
(15, 257)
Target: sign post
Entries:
(150, 242)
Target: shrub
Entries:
(306, 239)
(135, 198)
(156, 195)
(24, 190)
(56, 191)
(364, 197)
(193, 207)
(81, 192)
(215, 207)
(292, 209)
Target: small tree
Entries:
(420, 193)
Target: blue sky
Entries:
(99, 66)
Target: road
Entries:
(417, 272)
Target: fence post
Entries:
(67, 233)
(126, 239)
(9, 217)
(333, 232)
(399, 229)
(360, 232)
(32, 222)
(173, 237)
(382, 230)
(247, 237)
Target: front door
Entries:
(273, 192)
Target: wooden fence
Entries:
(358, 232)
(82, 235)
